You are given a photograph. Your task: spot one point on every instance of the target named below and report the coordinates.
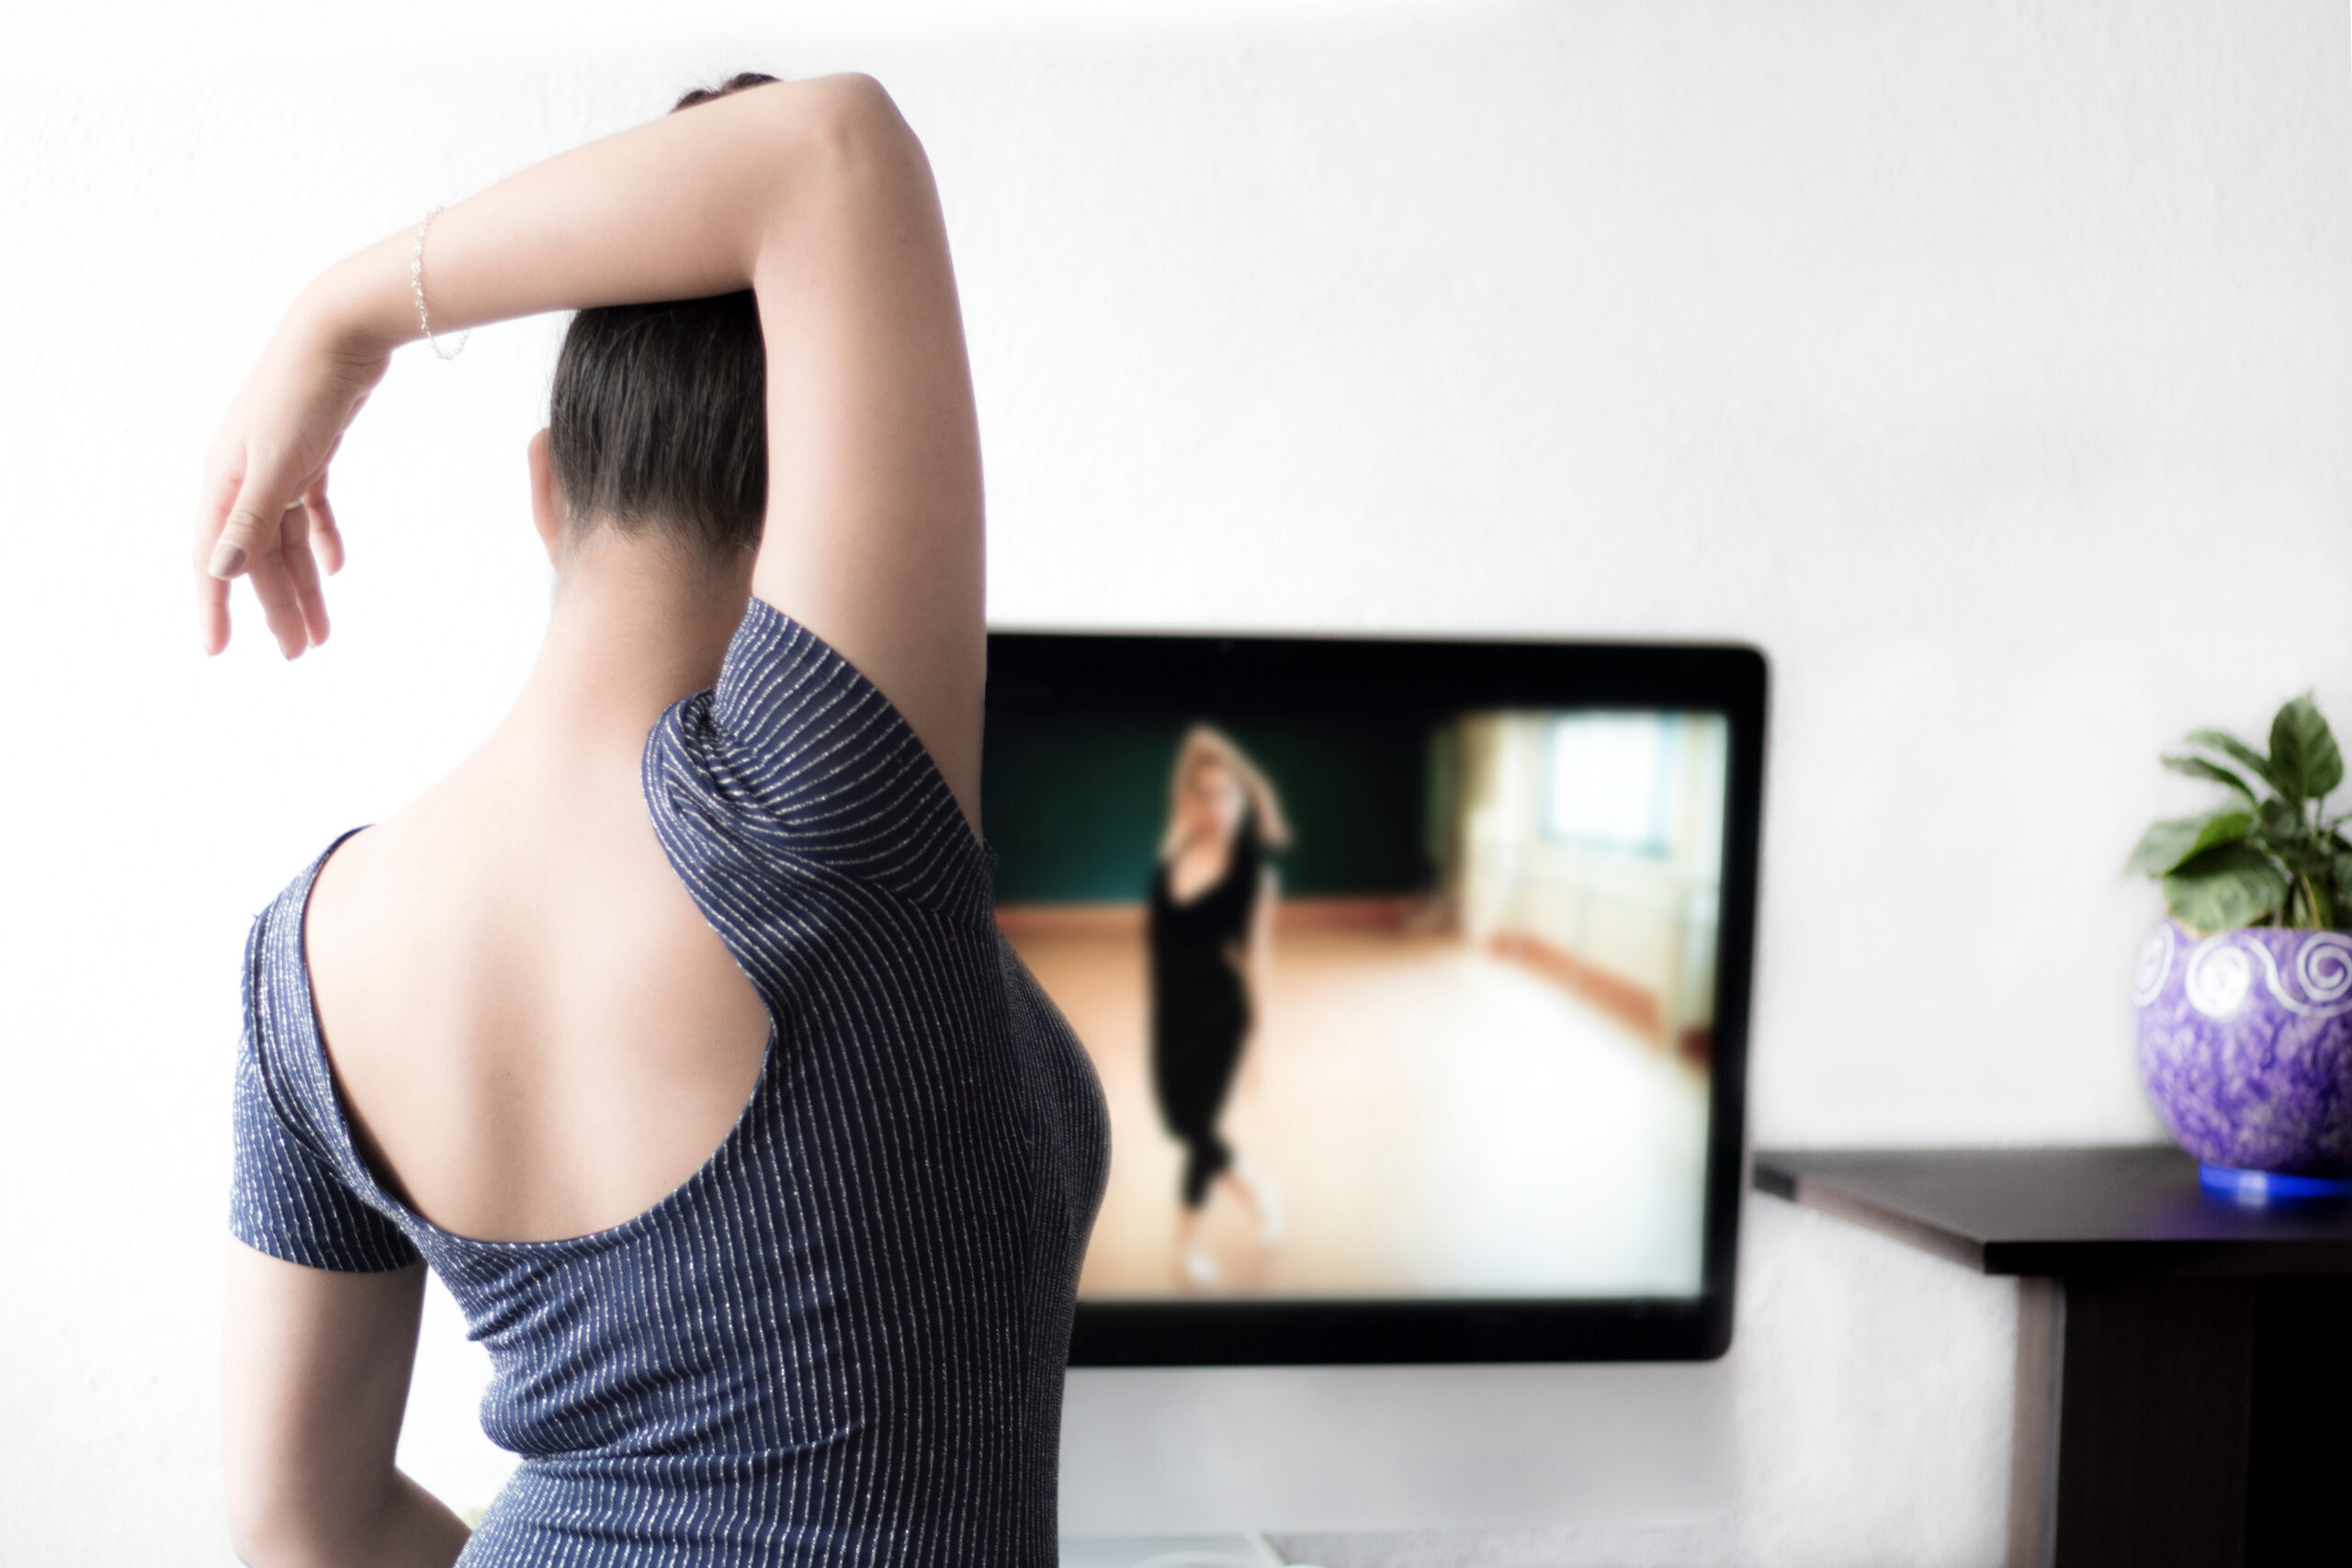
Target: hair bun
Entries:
(735, 84)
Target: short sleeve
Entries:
(288, 1201)
(798, 760)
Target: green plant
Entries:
(2272, 857)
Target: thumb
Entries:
(250, 531)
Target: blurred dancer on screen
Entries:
(1210, 927)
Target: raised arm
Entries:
(813, 194)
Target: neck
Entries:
(633, 629)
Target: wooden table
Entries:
(2184, 1373)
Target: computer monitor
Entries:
(1417, 976)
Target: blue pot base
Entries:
(2268, 1186)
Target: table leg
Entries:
(2033, 1440)
(2199, 1422)
(2300, 1453)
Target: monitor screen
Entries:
(1404, 967)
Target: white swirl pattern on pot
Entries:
(2323, 972)
(2220, 975)
(2155, 966)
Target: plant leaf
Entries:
(2230, 745)
(2341, 875)
(2281, 823)
(2198, 768)
(2322, 901)
(2227, 887)
(2165, 844)
(2303, 754)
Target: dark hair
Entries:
(658, 419)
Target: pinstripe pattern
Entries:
(841, 1339)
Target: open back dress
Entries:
(843, 1339)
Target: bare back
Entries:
(535, 1031)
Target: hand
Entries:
(263, 513)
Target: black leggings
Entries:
(1206, 1157)
(1196, 1049)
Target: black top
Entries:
(2127, 1209)
(1211, 927)
(1200, 1005)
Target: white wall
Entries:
(1988, 364)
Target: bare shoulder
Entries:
(384, 912)
(343, 920)
(378, 886)
(536, 1032)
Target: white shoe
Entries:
(1199, 1267)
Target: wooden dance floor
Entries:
(1436, 1120)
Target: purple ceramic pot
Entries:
(2246, 1046)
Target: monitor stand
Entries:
(1194, 1451)
(1167, 1551)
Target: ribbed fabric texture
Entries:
(842, 1341)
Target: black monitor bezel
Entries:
(1220, 674)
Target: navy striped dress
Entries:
(841, 1339)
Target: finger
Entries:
(271, 576)
(281, 606)
(211, 612)
(294, 548)
(213, 502)
(326, 535)
(249, 533)
(249, 547)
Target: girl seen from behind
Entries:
(671, 1028)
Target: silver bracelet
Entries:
(416, 287)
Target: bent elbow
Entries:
(852, 109)
(256, 1540)
(853, 124)
(266, 1529)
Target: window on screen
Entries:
(1608, 782)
